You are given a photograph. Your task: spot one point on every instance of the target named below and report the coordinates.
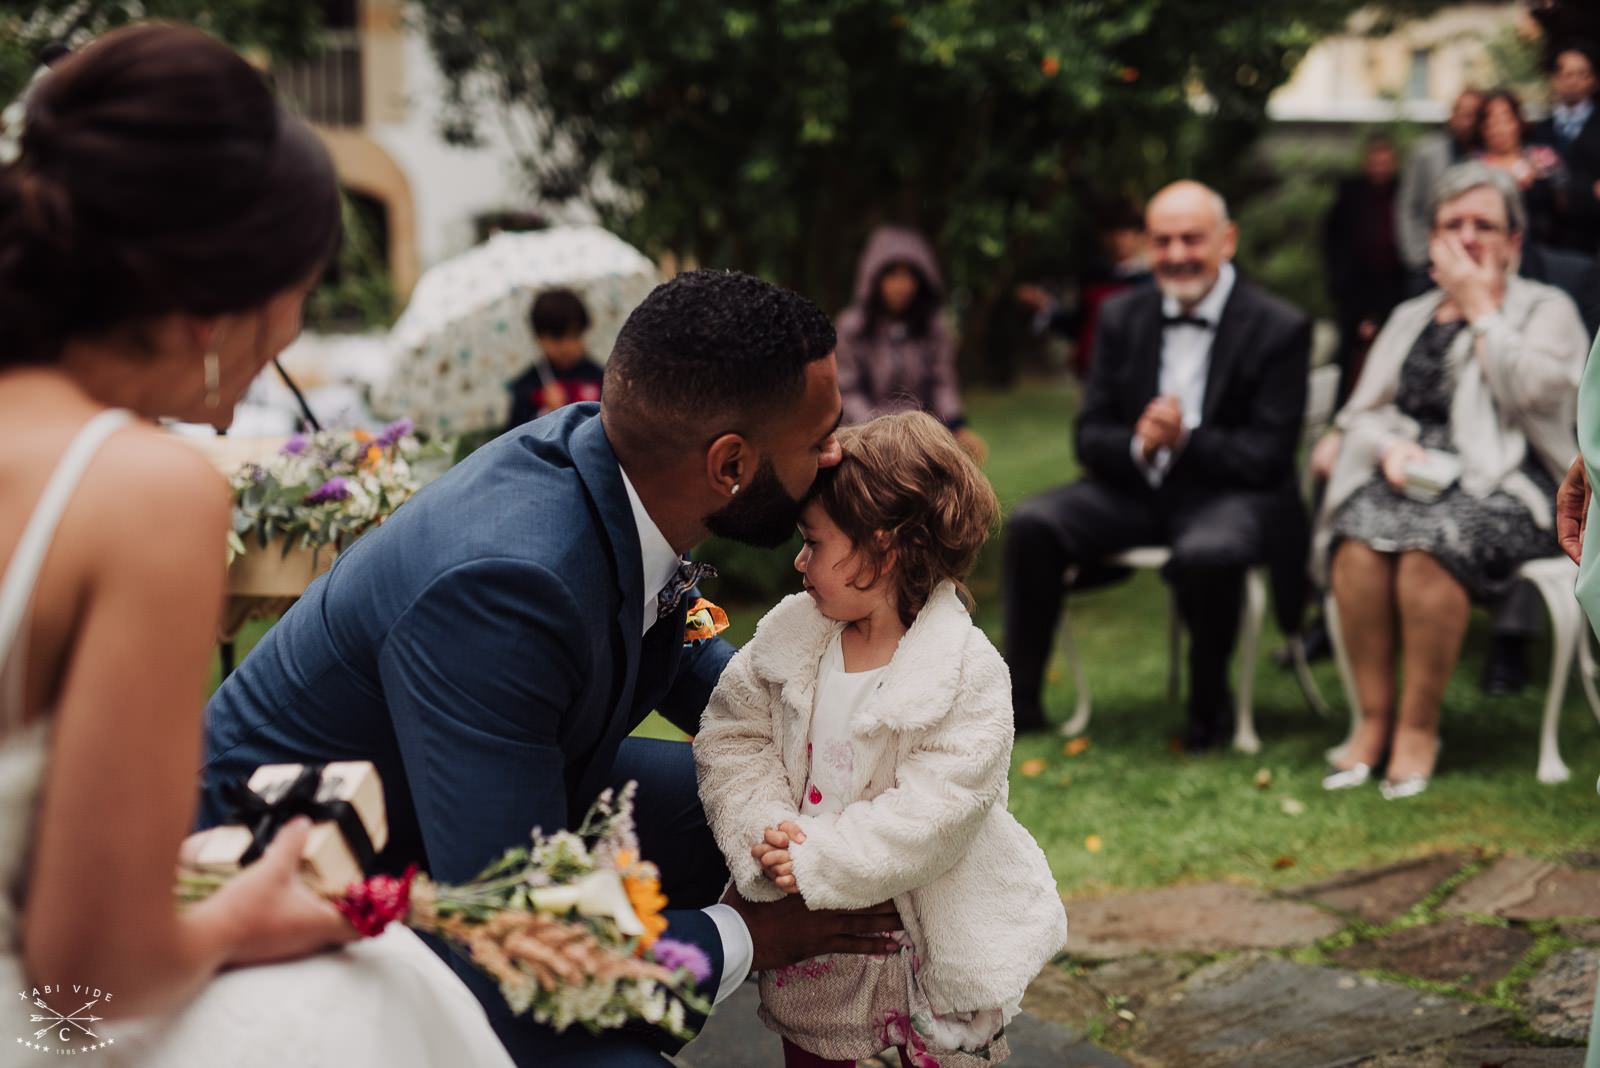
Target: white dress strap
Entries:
(16, 589)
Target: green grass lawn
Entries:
(1160, 817)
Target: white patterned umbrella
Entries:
(465, 332)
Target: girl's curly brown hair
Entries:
(906, 486)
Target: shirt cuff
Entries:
(1155, 470)
(738, 951)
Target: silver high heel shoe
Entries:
(1347, 778)
(1410, 786)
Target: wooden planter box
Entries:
(267, 572)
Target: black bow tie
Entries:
(686, 578)
(1186, 320)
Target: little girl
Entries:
(856, 751)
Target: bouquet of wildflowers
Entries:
(570, 926)
(330, 486)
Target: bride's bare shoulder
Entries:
(147, 472)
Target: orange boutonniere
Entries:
(705, 620)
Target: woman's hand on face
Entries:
(1473, 287)
(1395, 458)
(271, 913)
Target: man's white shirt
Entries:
(1185, 363)
(660, 564)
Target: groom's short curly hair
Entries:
(708, 353)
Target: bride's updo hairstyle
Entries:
(157, 173)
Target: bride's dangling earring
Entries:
(213, 369)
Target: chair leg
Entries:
(1347, 678)
(1174, 649)
(1080, 681)
(1302, 674)
(1566, 623)
(1254, 612)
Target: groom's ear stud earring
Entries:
(734, 490)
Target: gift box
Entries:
(1431, 474)
(343, 799)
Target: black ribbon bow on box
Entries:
(266, 814)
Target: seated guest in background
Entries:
(1483, 370)
(1362, 257)
(895, 351)
(1187, 437)
(559, 322)
(1431, 157)
(1573, 131)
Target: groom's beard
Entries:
(761, 514)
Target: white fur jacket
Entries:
(933, 747)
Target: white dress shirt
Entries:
(1185, 362)
(1568, 119)
(660, 564)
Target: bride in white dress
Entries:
(158, 235)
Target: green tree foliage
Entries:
(278, 28)
(772, 136)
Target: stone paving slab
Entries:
(1132, 976)
(1202, 918)
(1486, 1049)
(1472, 956)
(1382, 895)
(1560, 895)
(735, 1038)
(1504, 884)
(1561, 994)
(1257, 1011)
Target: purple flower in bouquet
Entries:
(334, 489)
(394, 432)
(294, 446)
(672, 955)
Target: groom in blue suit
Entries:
(491, 645)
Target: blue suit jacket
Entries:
(482, 648)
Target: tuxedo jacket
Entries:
(1579, 227)
(1251, 416)
(1254, 401)
(482, 648)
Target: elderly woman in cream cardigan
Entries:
(1442, 469)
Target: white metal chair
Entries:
(1321, 388)
(1254, 611)
(1553, 576)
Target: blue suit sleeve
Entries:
(479, 672)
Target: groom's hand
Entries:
(785, 931)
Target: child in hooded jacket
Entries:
(857, 751)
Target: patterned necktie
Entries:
(686, 578)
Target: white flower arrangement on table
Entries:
(330, 486)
